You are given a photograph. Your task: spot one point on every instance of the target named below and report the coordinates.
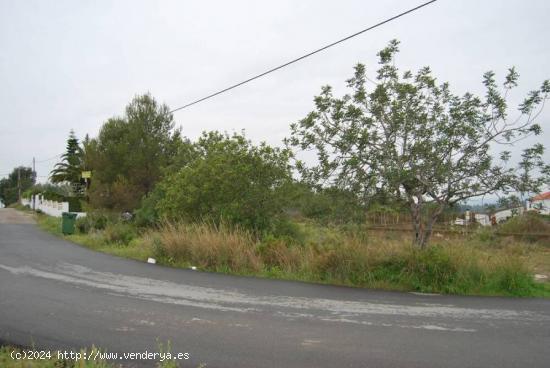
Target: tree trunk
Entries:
(417, 223)
(422, 235)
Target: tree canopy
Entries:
(70, 168)
(411, 137)
(128, 156)
(21, 178)
(230, 180)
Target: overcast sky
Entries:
(73, 64)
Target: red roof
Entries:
(541, 197)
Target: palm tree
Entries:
(71, 165)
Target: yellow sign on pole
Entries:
(86, 174)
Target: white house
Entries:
(540, 203)
(487, 220)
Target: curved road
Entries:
(58, 295)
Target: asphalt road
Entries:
(58, 295)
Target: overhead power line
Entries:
(304, 56)
(280, 66)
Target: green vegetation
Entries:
(230, 180)
(131, 152)
(21, 178)
(70, 168)
(530, 223)
(413, 140)
(482, 264)
(404, 153)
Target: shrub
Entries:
(232, 181)
(510, 274)
(147, 215)
(120, 233)
(74, 204)
(485, 234)
(327, 205)
(343, 263)
(288, 230)
(100, 220)
(95, 220)
(432, 269)
(276, 253)
(529, 222)
(82, 225)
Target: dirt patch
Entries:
(12, 216)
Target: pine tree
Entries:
(71, 165)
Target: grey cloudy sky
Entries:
(72, 64)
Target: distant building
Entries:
(505, 214)
(485, 219)
(540, 203)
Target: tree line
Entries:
(405, 141)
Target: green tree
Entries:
(326, 205)
(20, 179)
(511, 201)
(415, 139)
(130, 153)
(230, 180)
(70, 168)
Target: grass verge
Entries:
(478, 265)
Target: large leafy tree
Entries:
(413, 138)
(230, 180)
(130, 153)
(20, 179)
(69, 169)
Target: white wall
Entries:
(504, 214)
(51, 208)
(543, 206)
(483, 219)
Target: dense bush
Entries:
(95, 220)
(120, 233)
(21, 178)
(433, 270)
(147, 214)
(529, 222)
(328, 205)
(75, 204)
(232, 180)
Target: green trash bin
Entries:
(67, 223)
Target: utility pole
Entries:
(34, 176)
(19, 183)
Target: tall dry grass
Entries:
(352, 258)
(209, 246)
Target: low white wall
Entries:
(51, 208)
